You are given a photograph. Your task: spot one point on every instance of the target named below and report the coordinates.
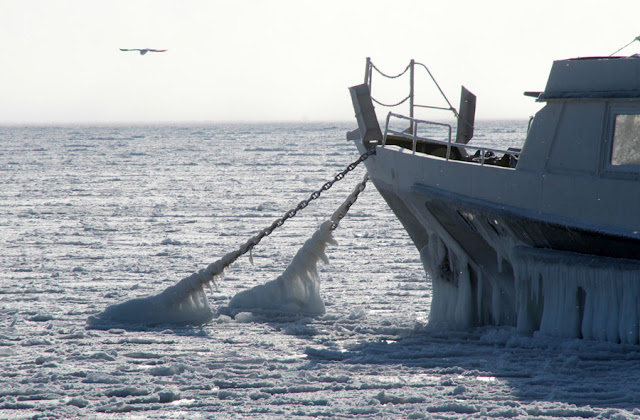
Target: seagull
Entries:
(143, 51)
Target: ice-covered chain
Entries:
(304, 203)
(216, 269)
(344, 208)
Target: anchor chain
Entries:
(304, 203)
(216, 269)
(344, 208)
(190, 291)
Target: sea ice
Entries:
(366, 354)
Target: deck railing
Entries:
(412, 134)
(370, 67)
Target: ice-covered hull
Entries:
(550, 245)
(491, 265)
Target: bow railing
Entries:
(435, 133)
(370, 67)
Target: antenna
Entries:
(634, 39)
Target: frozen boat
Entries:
(545, 237)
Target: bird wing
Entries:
(143, 51)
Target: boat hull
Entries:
(550, 244)
(494, 265)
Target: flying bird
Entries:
(143, 51)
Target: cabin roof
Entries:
(594, 77)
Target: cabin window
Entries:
(626, 140)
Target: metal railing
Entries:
(412, 132)
(412, 135)
(370, 66)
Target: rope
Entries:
(390, 77)
(351, 199)
(390, 106)
(634, 40)
(304, 203)
(451, 107)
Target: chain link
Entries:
(344, 208)
(304, 203)
(194, 282)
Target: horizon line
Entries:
(204, 122)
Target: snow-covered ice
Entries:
(94, 216)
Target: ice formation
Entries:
(573, 295)
(555, 292)
(182, 303)
(462, 296)
(297, 290)
(452, 297)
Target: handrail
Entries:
(438, 86)
(414, 130)
(370, 66)
(415, 138)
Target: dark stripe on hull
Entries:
(460, 216)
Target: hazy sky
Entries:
(285, 59)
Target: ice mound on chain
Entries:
(183, 303)
(297, 290)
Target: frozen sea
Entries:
(93, 216)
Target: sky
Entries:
(286, 60)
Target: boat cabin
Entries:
(591, 122)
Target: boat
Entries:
(544, 238)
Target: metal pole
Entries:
(367, 72)
(411, 88)
(414, 130)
